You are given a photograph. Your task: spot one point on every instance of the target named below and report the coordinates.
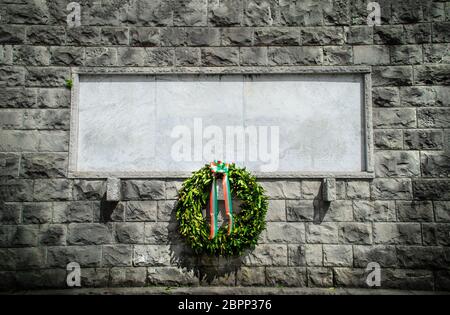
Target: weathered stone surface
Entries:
(47, 77)
(300, 210)
(88, 189)
(386, 96)
(170, 276)
(406, 54)
(117, 255)
(355, 233)
(37, 213)
(384, 188)
(76, 211)
(278, 232)
(267, 255)
(187, 56)
(374, 211)
(114, 36)
(337, 255)
(322, 36)
(325, 232)
(408, 279)
(436, 53)
(371, 55)
(129, 233)
(397, 163)
(226, 13)
(276, 210)
(166, 210)
(259, 12)
(10, 213)
(221, 56)
(142, 189)
(101, 56)
(190, 13)
(67, 56)
(83, 35)
(385, 256)
(360, 35)
(336, 211)
(276, 36)
(337, 55)
(320, 277)
(436, 234)
(141, 211)
(25, 236)
(237, 36)
(12, 34)
(281, 189)
(442, 211)
(46, 35)
(43, 165)
(151, 255)
(87, 256)
(423, 139)
(197, 36)
(31, 55)
(46, 119)
(420, 256)
(414, 211)
(397, 233)
(280, 56)
(128, 276)
(440, 32)
(350, 277)
(16, 190)
(10, 76)
(286, 276)
(432, 74)
(394, 118)
(95, 277)
(388, 34)
(160, 233)
(297, 255)
(88, 234)
(442, 280)
(53, 98)
(9, 165)
(392, 75)
(431, 189)
(433, 117)
(388, 139)
(52, 234)
(251, 276)
(52, 189)
(358, 190)
(17, 98)
(417, 33)
(144, 36)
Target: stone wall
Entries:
(400, 219)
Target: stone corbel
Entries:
(329, 189)
(113, 189)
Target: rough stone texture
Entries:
(400, 219)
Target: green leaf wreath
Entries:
(248, 224)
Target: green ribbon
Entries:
(218, 167)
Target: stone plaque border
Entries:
(367, 99)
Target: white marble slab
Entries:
(132, 123)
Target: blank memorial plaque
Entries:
(136, 123)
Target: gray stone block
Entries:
(48, 76)
(355, 233)
(9, 165)
(52, 234)
(325, 232)
(267, 255)
(442, 211)
(337, 55)
(371, 55)
(197, 36)
(31, 55)
(276, 36)
(431, 189)
(171, 276)
(16, 190)
(329, 189)
(297, 255)
(237, 36)
(337, 255)
(385, 256)
(17, 98)
(408, 279)
(426, 257)
(225, 13)
(151, 255)
(358, 189)
(423, 139)
(286, 276)
(101, 56)
(397, 164)
(388, 139)
(278, 232)
(88, 234)
(83, 35)
(360, 35)
(117, 255)
(386, 96)
(281, 189)
(25, 236)
(282, 56)
(142, 189)
(190, 13)
(222, 56)
(113, 189)
(52, 189)
(144, 36)
(43, 165)
(391, 188)
(166, 210)
(114, 36)
(12, 76)
(141, 210)
(433, 117)
(432, 74)
(37, 213)
(392, 75)
(415, 211)
(300, 210)
(394, 118)
(336, 211)
(251, 276)
(187, 56)
(86, 256)
(397, 233)
(46, 35)
(320, 277)
(253, 56)
(12, 34)
(129, 233)
(10, 213)
(322, 36)
(406, 54)
(374, 211)
(128, 276)
(436, 234)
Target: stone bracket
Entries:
(113, 189)
(329, 189)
